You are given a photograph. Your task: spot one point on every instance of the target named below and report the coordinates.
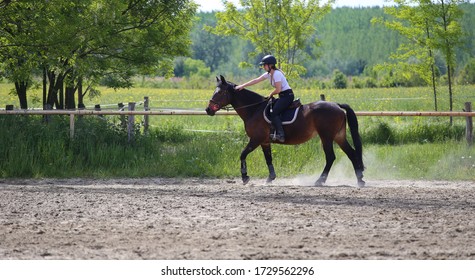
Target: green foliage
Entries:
(281, 28)
(430, 27)
(364, 82)
(188, 67)
(100, 150)
(92, 40)
(339, 80)
(381, 132)
(467, 75)
(344, 39)
(429, 161)
(350, 43)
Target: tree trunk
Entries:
(80, 94)
(51, 91)
(432, 67)
(69, 101)
(21, 88)
(56, 86)
(60, 105)
(434, 88)
(451, 101)
(45, 86)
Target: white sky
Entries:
(216, 5)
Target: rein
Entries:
(250, 105)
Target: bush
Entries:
(339, 80)
(467, 75)
(417, 132)
(379, 134)
(364, 82)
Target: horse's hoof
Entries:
(270, 179)
(245, 179)
(319, 183)
(361, 183)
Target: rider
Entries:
(282, 88)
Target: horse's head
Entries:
(221, 96)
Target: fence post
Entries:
(71, 126)
(97, 107)
(123, 124)
(47, 107)
(130, 127)
(146, 117)
(81, 106)
(469, 126)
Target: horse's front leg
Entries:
(266, 148)
(251, 146)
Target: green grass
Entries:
(101, 151)
(203, 146)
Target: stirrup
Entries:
(277, 137)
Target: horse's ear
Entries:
(223, 80)
(217, 79)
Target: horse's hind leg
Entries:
(329, 158)
(357, 164)
(249, 148)
(266, 148)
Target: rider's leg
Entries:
(279, 130)
(280, 105)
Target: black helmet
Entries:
(268, 59)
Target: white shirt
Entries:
(277, 77)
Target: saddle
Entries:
(288, 116)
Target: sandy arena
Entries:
(157, 218)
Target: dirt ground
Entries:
(157, 218)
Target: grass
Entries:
(394, 147)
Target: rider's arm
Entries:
(277, 90)
(251, 82)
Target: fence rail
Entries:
(225, 113)
(467, 113)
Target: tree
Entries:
(278, 27)
(448, 34)
(83, 41)
(429, 26)
(208, 47)
(187, 67)
(415, 57)
(17, 54)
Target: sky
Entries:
(216, 5)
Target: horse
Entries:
(326, 119)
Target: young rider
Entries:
(281, 87)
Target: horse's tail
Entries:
(355, 135)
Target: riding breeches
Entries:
(282, 103)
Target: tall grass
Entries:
(34, 149)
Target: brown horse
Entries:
(327, 119)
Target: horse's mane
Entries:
(250, 95)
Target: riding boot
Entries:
(279, 130)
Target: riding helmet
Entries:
(268, 59)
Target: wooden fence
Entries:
(467, 113)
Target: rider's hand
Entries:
(239, 87)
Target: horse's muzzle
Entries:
(212, 109)
(210, 112)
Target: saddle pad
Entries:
(287, 117)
